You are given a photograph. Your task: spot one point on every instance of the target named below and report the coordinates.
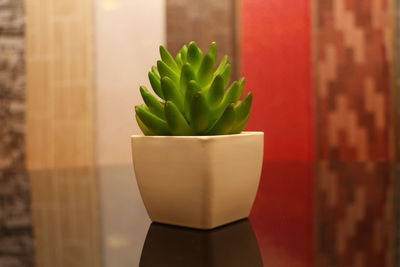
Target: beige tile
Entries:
(59, 83)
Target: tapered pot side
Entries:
(198, 181)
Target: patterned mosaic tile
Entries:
(12, 84)
(353, 62)
(355, 215)
(16, 240)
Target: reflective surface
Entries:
(305, 214)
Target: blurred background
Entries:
(326, 81)
(323, 74)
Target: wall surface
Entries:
(276, 60)
(205, 22)
(60, 85)
(12, 84)
(128, 34)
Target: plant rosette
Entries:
(194, 165)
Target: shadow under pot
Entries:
(234, 245)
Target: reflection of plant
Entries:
(196, 101)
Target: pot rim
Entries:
(203, 137)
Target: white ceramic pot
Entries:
(198, 181)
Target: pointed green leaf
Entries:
(192, 88)
(194, 55)
(176, 121)
(187, 74)
(205, 72)
(216, 91)
(199, 113)
(178, 60)
(156, 84)
(143, 127)
(224, 123)
(226, 74)
(154, 105)
(242, 84)
(155, 71)
(221, 66)
(183, 54)
(171, 92)
(168, 59)
(242, 111)
(166, 71)
(237, 129)
(213, 51)
(231, 96)
(152, 122)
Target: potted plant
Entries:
(194, 166)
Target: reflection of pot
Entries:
(198, 181)
(234, 245)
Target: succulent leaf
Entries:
(155, 71)
(143, 127)
(242, 109)
(166, 71)
(194, 55)
(194, 98)
(176, 121)
(226, 74)
(179, 61)
(205, 72)
(168, 59)
(224, 123)
(240, 127)
(171, 92)
(213, 51)
(156, 84)
(232, 95)
(192, 88)
(199, 113)
(216, 91)
(183, 53)
(152, 122)
(187, 75)
(152, 102)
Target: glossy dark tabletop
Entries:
(305, 214)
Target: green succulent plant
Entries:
(196, 98)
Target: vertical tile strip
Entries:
(353, 78)
(16, 236)
(276, 60)
(12, 85)
(59, 59)
(396, 78)
(65, 216)
(204, 22)
(355, 214)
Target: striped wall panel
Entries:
(204, 22)
(65, 214)
(16, 229)
(60, 83)
(276, 60)
(353, 61)
(355, 215)
(12, 85)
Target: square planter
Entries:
(198, 181)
